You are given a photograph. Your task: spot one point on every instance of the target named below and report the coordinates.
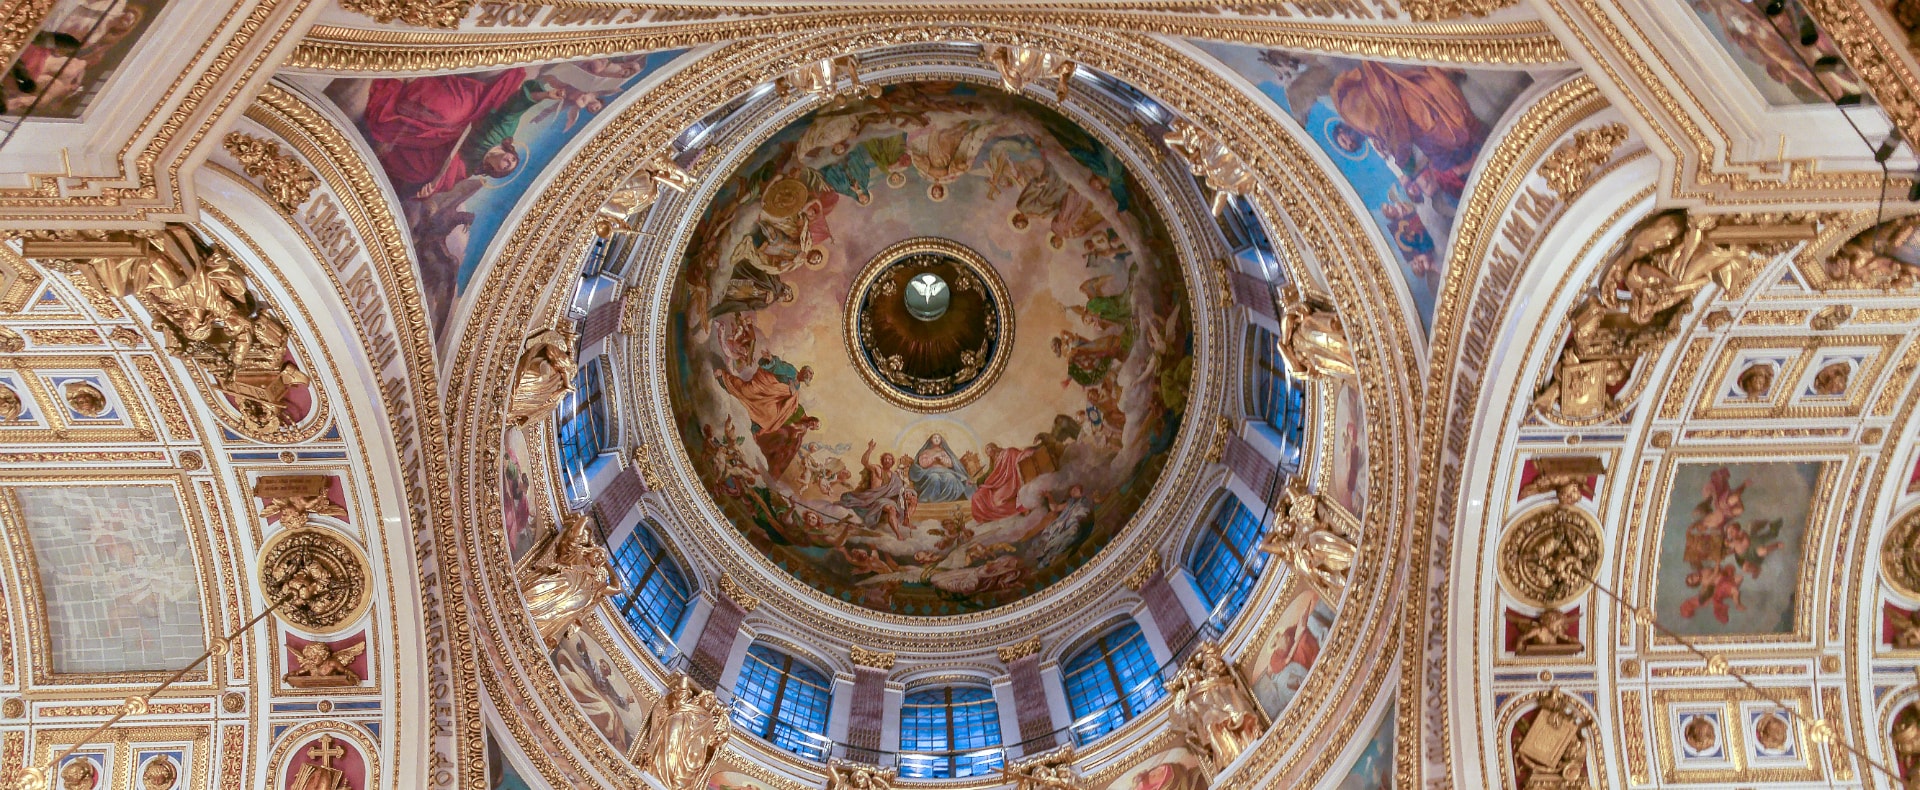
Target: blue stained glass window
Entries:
(949, 733)
(783, 701)
(584, 430)
(1279, 400)
(655, 601)
(1226, 563)
(1110, 681)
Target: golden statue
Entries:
(641, 190)
(822, 78)
(543, 376)
(1213, 709)
(858, 776)
(1021, 65)
(1867, 261)
(1554, 750)
(1645, 290)
(1208, 159)
(1312, 341)
(324, 667)
(567, 578)
(1302, 538)
(1052, 771)
(1548, 634)
(683, 734)
(198, 296)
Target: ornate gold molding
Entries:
(1019, 650)
(1149, 566)
(283, 176)
(1568, 169)
(420, 13)
(733, 590)
(873, 659)
(1443, 10)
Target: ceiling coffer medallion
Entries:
(202, 304)
(1646, 289)
(927, 324)
(1900, 555)
(1548, 557)
(318, 577)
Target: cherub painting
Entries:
(1731, 547)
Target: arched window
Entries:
(655, 601)
(949, 733)
(1279, 400)
(783, 701)
(1226, 561)
(584, 430)
(1110, 681)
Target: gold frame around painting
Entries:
(1733, 730)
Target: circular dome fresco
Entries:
(844, 365)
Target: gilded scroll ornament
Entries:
(1867, 261)
(324, 667)
(821, 79)
(1443, 10)
(1303, 537)
(1554, 750)
(285, 178)
(202, 305)
(1021, 65)
(683, 735)
(1900, 555)
(421, 13)
(1313, 342)
(626, 205)
(319, 578)
(1645, 291)
(292, 498)
(1548, 557)
(1570, 166)
(1210, 160)
(842, 775)
(1213, 709)
(11, 406)
(569, 575)
(1052, 771)
(543, 376)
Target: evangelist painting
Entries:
(1405, 137)
(1760, 47)
(79, 45)
(516, 497)
(923, 511)
(1350, 451)
(1731, 547)
(1173, 769)
(1281, 664)
(461, 149)
(598, 687)
(1373, 769)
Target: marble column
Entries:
(715, 646)
(1029, 695)
(866, 717)
(1163, 605)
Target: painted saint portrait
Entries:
(1349, 451)
(1731, 547)
(598, 687)
(80, 44)
(1173, 769)
(906, 511)
(1373, 770)
(516, 497)
(1405, 137)
(461, 149)
(1763, 50)
(1281, 664)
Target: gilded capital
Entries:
(1141, 575)
(875, 659)
(739, 595)
(1019, 650)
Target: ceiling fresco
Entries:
(874, 497)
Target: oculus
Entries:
(926, 323)
(797, 294)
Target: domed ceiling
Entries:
(930, 348)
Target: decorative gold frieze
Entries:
(873, 659)
(285, 178)
(1149, 566)
(318, 578)
(64, 337)
(1019, 650)
(733, 590)
(1570, 166)
(1443, 10)
(420, 13)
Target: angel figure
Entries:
(683, 734)
(570, 575)
(1905, 626)
(293, 511)
(324, 667)
(1304, 541)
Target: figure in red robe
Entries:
(998, 496)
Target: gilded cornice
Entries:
(1019, 650)
(342, 49)
(872, 659)
(737, 594)
(1149, 566)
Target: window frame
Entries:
(1215, 545)
(785, 675)
(951, 760)
(1128, 701)
(661, 564)
(582, 424)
